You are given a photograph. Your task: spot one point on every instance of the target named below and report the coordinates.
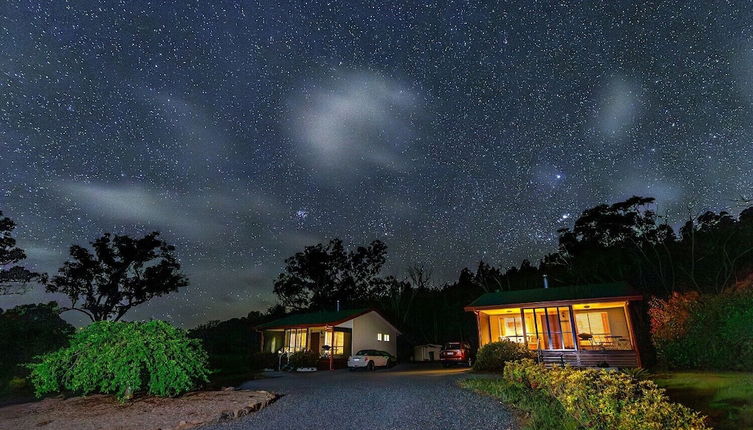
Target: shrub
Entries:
(17, 383)
(704, 332)
(600, 399)
(123, 358)
(494, 355)
(304, 359)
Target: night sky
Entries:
(244, 131)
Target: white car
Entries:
(370, 359)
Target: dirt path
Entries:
(147, 413)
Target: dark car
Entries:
(456, 353)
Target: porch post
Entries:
(261, 340)
(478, 329)
(573, 328)
(548, 329)
(633, 339)
(332, 349)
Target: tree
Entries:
(121, 273)
(321, 275)
(27, 331)
(13, 278)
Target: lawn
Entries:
(538, 411)
(726, 397)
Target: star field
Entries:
(246, 130)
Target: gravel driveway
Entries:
(405, 397)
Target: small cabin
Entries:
(333, 335)
(428, 352)
(582, 325)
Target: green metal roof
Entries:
(553, 294)
(314, 319)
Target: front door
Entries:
(314, 345)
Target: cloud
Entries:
(360, 121)
(619, 107)
(137, 204)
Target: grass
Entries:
(539, 411)
(725, 397)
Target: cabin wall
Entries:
(366, 329)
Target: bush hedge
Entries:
(494, 355)
(303, 359)
(123, 358)
(599, 399)
(692, 331)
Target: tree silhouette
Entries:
(13, 278)
(320, 275)
(121, 273)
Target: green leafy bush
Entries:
(123, 358)
(304, 359)
(494, 355)
(600, 399)
(704, 332)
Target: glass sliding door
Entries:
(550, 328)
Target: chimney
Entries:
(546, 282)
(338, 306)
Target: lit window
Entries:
(379, 337)
(386, 337)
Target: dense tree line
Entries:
(624, 241)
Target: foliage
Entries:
(704, 332)
(122, 273)
(543, 411)
(600, 399)
(629, 241)
(13, 278)
(321, 275)
(123, 358)
(300, 359)
(27, 331)
(494, 355)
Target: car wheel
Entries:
(370, 366)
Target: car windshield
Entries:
(452, 345)
(364, 352)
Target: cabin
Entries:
(428, 352)
(582, 325)
(333, 335)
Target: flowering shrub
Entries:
(123, 358)
(600, 399)
(494, 355)
(669, 318)
(704, 332)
